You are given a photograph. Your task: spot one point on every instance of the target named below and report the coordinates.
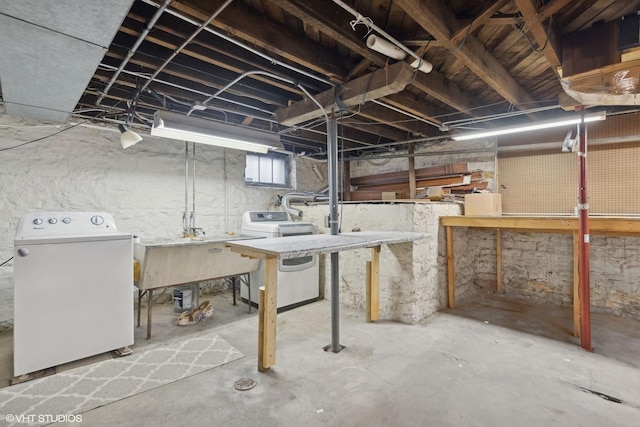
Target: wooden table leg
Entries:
(373, 286)
(140, 293)
(576, 285)
(498, 261)
(451, 278)
(267, 315)
(149, 303)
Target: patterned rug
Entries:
(59, 397)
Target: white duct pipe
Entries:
(304, 197)
(392, 51)
(384, 47)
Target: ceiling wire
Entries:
(43, 138)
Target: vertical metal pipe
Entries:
(332, 149)
(193, 186)
(185, 215)
(583, 255)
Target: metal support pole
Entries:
(583, 255)
(332, 150)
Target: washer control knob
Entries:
(37, 221)
(97, 220)
(53, 221)
(66, 220)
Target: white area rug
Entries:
(39, 402)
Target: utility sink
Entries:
(176, 261)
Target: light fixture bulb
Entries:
(128, 137)
(529, 127)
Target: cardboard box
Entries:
(483, 204)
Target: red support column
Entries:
(583, 257)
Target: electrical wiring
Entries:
(6, 261)
(44, 137)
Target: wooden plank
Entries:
(421, 183)
(403, 176)
(451, 278)
(346, 191)
(375, 284)
(365, 195)
(377, 84)
(576, 285)
(604, 226)
(478, 185)
(268, 316)
(261, 329)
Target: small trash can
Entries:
(185, 298)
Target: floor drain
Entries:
(244, 384)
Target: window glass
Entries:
(271, 169)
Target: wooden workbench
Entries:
(299, 246)
(602, 226)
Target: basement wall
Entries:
(539, 267)
(85, 169)
(412, 275)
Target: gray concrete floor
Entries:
(490, 362)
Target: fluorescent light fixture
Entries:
(194, 129)
(530, 127)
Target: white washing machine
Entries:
(298, 278)
(73, 289)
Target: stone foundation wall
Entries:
(143, 187)
(412, 275)
(539, 267)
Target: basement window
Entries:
(268, 170)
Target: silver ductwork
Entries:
(300, 197)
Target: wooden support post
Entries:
(267, 314)
(498, 260)
(373, 286)
(367, 302)
(451, 278)
(412, 171)
(576, 284)
(346, 181)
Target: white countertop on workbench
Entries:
(300, 246)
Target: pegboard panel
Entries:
(540, 182)
(546, 181)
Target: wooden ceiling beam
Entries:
(478, 21)
(333, 23)
(374, 85)
(448, 93)
(258, 30)
(436, 18)
(396, 120)
(546, 38)
(551, 8)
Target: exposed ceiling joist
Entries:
(375, 85)
(437, 19)
(546, 38)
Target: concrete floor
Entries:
(490, 362)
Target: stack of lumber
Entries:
(444, 182)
